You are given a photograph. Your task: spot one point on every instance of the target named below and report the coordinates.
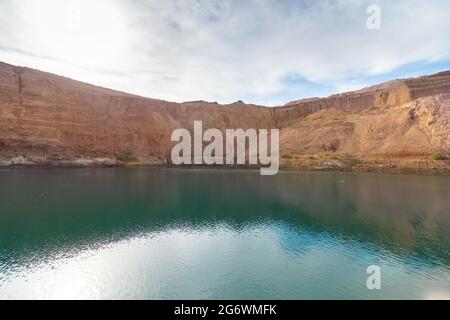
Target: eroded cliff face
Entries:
(47, 119)
(43, 116)
(400, 137)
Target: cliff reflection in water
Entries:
(179, 233)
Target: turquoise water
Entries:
(221, 234)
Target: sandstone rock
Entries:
(48, 119)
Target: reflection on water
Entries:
(201, 234)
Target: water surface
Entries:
(221, 234)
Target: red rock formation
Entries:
(50, 116)
(46, 118)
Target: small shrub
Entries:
(54, 157)
(135, 164)
(126, 156)
(437, 156)
(85, 149)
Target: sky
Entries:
(265, 52)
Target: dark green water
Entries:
(213, 234)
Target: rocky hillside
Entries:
(51, 120)
(399, 125)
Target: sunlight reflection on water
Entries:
(269, 242)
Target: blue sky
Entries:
(260, 51)
(296, 87)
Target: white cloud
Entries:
(219, 50)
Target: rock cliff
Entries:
(49, 120)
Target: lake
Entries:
(156, 233)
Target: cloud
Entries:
(222, 50)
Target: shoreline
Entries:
(442, 171)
